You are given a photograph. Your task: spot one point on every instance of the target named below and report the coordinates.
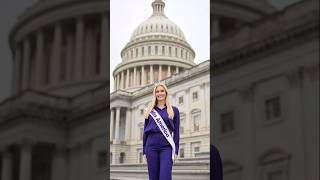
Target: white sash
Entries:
(164, 129)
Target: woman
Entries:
(161, 135)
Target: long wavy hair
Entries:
(154, 102)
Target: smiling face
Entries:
(160, 93)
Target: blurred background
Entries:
(54, 84)
(265, 88)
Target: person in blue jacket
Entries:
(156, 148)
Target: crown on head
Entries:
(158, 82)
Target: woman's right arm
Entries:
(146, 121)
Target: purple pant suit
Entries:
(156, 147)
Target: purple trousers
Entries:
(158, 153)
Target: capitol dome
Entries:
(157, 25)
(156, 50)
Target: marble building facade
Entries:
(158, 50)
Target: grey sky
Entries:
(192, 16)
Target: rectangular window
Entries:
(136, 52)
(102, 159)
(156, 50)
(195, 148)
(131, 53)
(272, 108)
(122, 156)
(195, 96)
(181, 153)
(196, 120)
(163, 50)
(142, 51)
(182, 122)
(275, 175)
(176, 51)
(227, 122)
(169, 51)
(181, 100)
(149, 50)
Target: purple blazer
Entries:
(150, 126)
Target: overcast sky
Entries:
(192, 16)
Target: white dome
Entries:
(159, 25)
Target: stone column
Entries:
(160, 73)
(134, 76)
(118, 81)
(115, 83)
(56, 55)
(128, 124)
(59, 163)
(117, 132)
(6, 171)
(133, 121)
(177, 70)
(25, 161)
(26, 63)
(103, 46)
(89, 58)
(79, 48)
(16, 71)
(169, 71)
(122, 80)
(187, 107)
(127, 78)
(39, 60)
(143, 78)
(202, 125)
(151, 74)
(112, 124)
(69, 58)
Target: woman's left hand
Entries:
(175, 157)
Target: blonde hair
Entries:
(153, 102)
